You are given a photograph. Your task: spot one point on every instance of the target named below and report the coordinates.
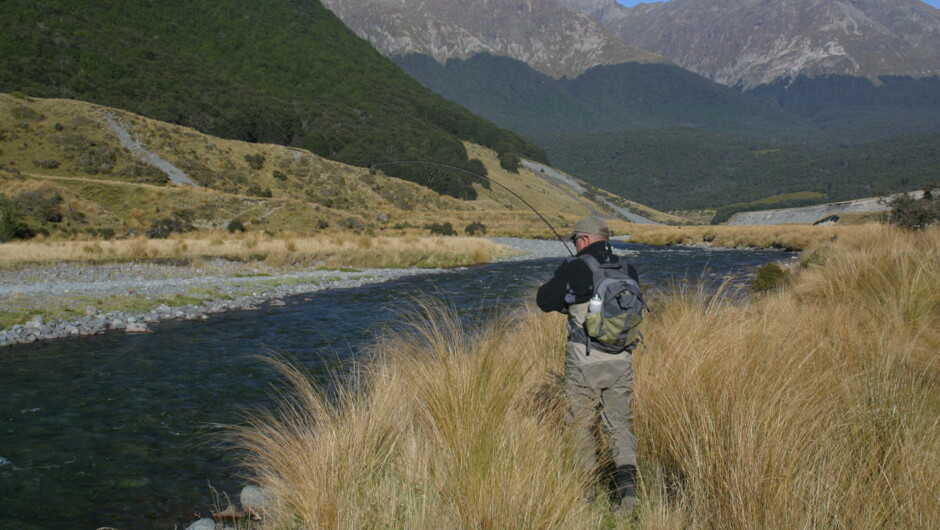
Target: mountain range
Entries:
(820, 80)
(755, 42)
(743, 43)
(546, 35)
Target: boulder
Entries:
(255, 500)
(137, 327)
(202, 524)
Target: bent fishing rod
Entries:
(488, 179)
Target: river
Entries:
(123, 430)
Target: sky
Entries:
(629, 3)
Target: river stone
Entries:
(254, 499)
(278, 303)
(202, 524)
(137, 327)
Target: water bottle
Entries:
(595, 305)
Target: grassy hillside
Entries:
(64, 171)
(684, 168)
(267, 71)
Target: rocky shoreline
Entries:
(217, 286)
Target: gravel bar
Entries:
(219, 285)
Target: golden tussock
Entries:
(813, 406)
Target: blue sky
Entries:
(628, 3)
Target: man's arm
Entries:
(571, 284)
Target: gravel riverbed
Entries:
(79, 300)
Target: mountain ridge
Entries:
(553, 39)
(756, 42)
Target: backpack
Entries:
(615, 328)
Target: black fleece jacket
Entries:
(573, 282)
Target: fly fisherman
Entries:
(595, 379)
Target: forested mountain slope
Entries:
(605, 98)
(683, 168)
(263, 71)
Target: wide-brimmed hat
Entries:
(590, 225)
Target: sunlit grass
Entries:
(813, 406)
(791, 237)
(446, 428)
(336, 251)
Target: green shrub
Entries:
(445, 229)
(475, 228)
(161, 228)
(915, 214)
(769, 277)
(12, 224)
(41, 207)
(235, 225)
(255, 161)
(509, 161)
(257, 191)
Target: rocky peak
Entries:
(751, 42)
(550, 37)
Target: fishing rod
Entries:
(456, 168)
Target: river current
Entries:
(123, 430)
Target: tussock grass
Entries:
(447, 428)
(813, 406)
(791, 237)
(335, 251)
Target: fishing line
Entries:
(514, 194)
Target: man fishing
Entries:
(598, 371)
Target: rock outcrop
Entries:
(753, 42)
(550, 37)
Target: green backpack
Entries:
(615, 327)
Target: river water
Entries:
(123, 430)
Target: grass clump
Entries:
(769, 277)
(814, 406)
(444, 429)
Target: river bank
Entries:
(816, 402)
(112, 430)
(44, 302)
